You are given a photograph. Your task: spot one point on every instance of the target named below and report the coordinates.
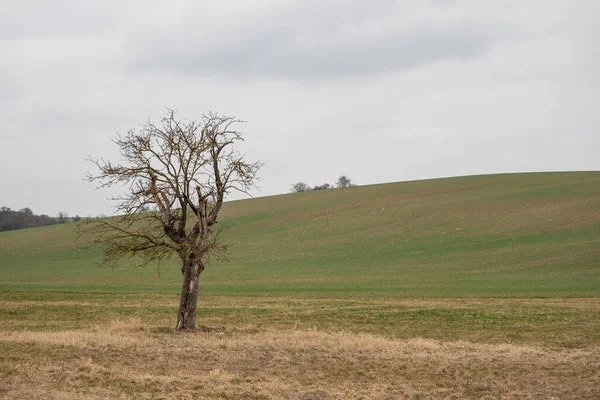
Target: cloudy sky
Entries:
(381, 91)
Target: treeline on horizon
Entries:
(25, 218)
(342, 182)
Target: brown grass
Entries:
(127, 358)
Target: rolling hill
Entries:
(511, 235)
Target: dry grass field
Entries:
(123, 347)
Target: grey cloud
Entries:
(307, 42)
(61, 18)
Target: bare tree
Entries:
(62, 217)
(343, 181)
(299, 187)
(177, 173)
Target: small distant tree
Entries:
(177, 174)
(76, 218)
(62, 217)
(324, 186)
(300, 187)
(343, 182)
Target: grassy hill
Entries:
(535, 234)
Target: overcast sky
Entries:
(381, 91)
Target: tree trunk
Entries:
(186, 319)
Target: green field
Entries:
(534, 234)
(482, 287)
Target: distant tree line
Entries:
(25, 218)
(342, 182)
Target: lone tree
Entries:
(177, 174)
(300, 187)
(343, 181)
